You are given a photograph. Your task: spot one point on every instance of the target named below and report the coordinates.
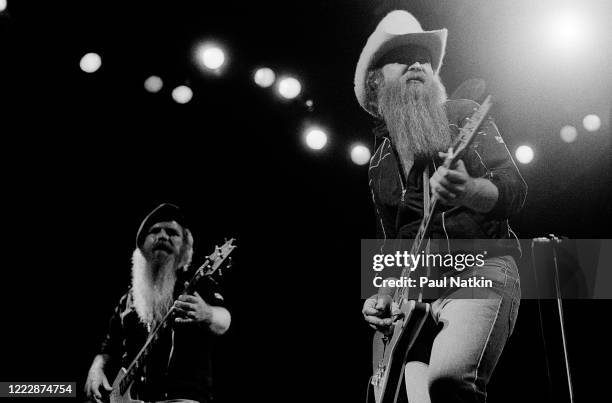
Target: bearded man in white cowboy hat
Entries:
(397, 81)
(179, 366)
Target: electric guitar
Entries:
(393, 348)
(125, 378)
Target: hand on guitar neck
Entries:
(193, 309)
(454, 186)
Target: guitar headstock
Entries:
(220, 254)
(466, 133)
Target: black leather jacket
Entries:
(399, 203)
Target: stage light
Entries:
(568, 134)
(591, 123)
(524, 154)
(289, 87)
(182, 94)
(212, 57)
(90, 63)
(153, 84)
(264, 77)
(2, 5)
(315, 139)
(309, 104)
(360, 154)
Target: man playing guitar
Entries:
(397, 81)
(179, 367)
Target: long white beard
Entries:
(152, 296)
(415, 118)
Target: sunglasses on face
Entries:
(407, 55)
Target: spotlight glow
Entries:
(568, 134)
(90, 63)
(315, 139)
(2, 5)
(153, 84)
(211, 56)
(524, 154)
(289, 87)
(567, 30)
(182, 94)
(264, 77)
(591, 123)
(360, 154)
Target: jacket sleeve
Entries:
(372, 181)
(502, 172)
(380, 230)
(112, 342)
(381, 234)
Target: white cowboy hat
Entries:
(398, 28)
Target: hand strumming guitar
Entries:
(97, 386)
(379, 311)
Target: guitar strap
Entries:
(426, 205)
(426, 194)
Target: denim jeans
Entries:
(475, 325)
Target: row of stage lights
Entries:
(213, 60)
(568, 133)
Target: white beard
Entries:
(152, 296)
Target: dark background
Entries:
(87, 156)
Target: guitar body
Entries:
(116, 396)
(391, 351)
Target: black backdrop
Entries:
(85, 157)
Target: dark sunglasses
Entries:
(407, 55)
